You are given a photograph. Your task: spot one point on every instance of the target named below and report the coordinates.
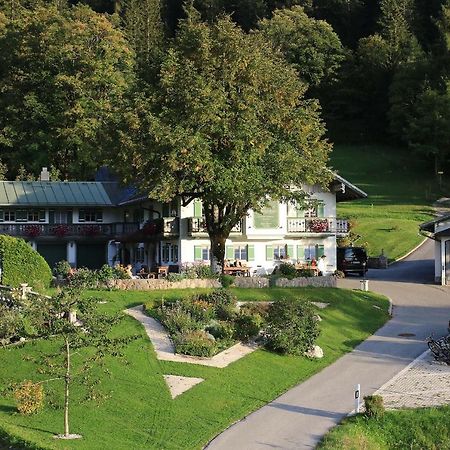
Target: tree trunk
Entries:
(217, 252)
(66, 390)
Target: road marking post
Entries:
(357, 398)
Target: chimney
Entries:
(45, 175)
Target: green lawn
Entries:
(414, 429)
(400, 191)
(140, 413)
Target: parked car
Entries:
(352, 260)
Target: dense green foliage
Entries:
(427, 428)
(63, 78)
(227, 122)
(379, 68)
(136, 410)
(292, 327)
(21, 264)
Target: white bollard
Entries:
(364, 285)
(357, 398)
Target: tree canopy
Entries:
(310, 45)
(226, 123)
(63, 78)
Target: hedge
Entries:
(21, 264)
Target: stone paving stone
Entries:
(425, 382)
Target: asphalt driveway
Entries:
(299, 418)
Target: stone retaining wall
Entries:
(328, 281)
(147, 285)
(251, 282)
(260, 282)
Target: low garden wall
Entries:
(240, 282)
(260, 282)
(147, 285)
(328, 281)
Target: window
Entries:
(90, 215)
(21, 215)
(170, 209)
(316, 210)
(279, 251)
(169, 252)
(310, 252)
(36, 215)
(139, 254)
(10, 215)
(201, 253)
(240, 252)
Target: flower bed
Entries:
(205, 324)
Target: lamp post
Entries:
(440, 173)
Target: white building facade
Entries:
(93, 223)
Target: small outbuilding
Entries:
(439, 230)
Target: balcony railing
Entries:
(317, 225)
(35, 230)
(196, 225)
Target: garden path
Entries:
(299, 418)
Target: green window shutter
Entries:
(290, 251)
(165, 210)
(320, 210)
(300, 252)
(250, 252)
(197, 253)
(229, 252)
(197, 208)
(269, 253)
(320, 250)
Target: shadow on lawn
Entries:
(8, 409)
(52, 433)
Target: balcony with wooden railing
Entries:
(36, 230)
(197, 226)
(317, 225)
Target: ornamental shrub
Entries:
(29, 397)
(291, 326)
(21, 264)
(177, 320)
(226, 280)
(195, 343)
(61, 269)
(200, 310)
(221, 330)
(248, 326)
(287, 270)
(374, 406)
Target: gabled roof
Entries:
(345, 190)
(430, 226)
(54, 193)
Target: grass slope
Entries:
(414, 429)
(400, 192)
(140, 413)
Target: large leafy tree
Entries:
(63, 79)
(228, 124)
(309, 44)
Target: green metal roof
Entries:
(53, 193)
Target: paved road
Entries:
(300, 417)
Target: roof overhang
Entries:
(430, 227)
(344, 190)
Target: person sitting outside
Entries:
(129, 271)
(322, 265)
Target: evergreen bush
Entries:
(21, 264)
(374, 406)
(291, 326)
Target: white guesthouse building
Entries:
(93, 223)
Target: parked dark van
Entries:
(352, 260)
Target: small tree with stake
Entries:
(75, 320)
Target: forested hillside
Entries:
(77, 76)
